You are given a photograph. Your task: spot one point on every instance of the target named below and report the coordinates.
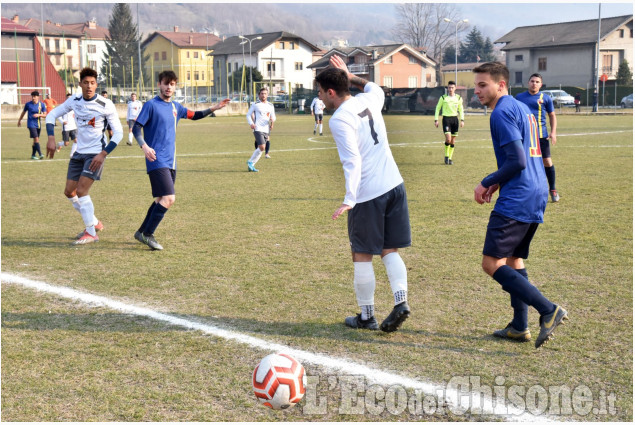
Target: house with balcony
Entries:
(281, 57)
(565, 53)
(390, 66)
(25, 66)
(185, 53)
(92, 45)
(61, 44)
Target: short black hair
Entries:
(451, 83)
(336, 79)
(535, 74)
(35, 93)
(103, 92)
(168, 75)
(87, 72)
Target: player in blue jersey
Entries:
(541, 106)
(520, 205)
(158, 119)
(34, 110)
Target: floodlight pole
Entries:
(456, 47)
(251, 97)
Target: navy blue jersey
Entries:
(31, 109)
(540, 105)
(159, 119)
(524, 196)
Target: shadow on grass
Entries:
(117, 322)
(68, 243)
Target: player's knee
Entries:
(69, 193)
(167, 201)
(262, 147)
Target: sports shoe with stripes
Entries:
(397, 316)
(356, 322)
(151, 242)
(98, 228)
(510, 333)
(250, 167)
(554, 195)
(548, 324)
(86, 238)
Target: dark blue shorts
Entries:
(162, 181)
(507, 237)
(34, 132)
(545, 147)
(69, 135)
(319, 117)
(79, 166)
(381, 223)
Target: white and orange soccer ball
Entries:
(279, 381)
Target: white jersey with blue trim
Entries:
(91, 117)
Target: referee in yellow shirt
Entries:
(451, 108)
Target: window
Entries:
(299, 86)
(195, 55)
(428, 78)
(235, 66)
(196, 75)
(164, 56)
(187, 54)
(156, 56)
(47, 44)
(388, 60)
(202, 75)
(69, 62)
(518, 58)
(188, 76)
(412, 82)
(281, 45)
(57, 45)
(92, 48)
(58, 60)
(412, 60)
(542, 64)
(388, 82)
(519, 78)
(291, 45)
(271, 67)
(298, 66)
(92, 64)
(622, 33)
(69, 44)
(607, 64)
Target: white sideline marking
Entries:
(347, 366)
(311, 140)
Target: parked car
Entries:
(627, 101)
(281, 101)
(560, 97)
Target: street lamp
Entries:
(250, 68)
(456, 47)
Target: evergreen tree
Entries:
(476, 49)
(121, 47)
(237, 77)
(449, 55)
(624, 75)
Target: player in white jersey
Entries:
(378, 220)
(92, 113)
(317, 110)
(261, 116)
(134, 107)
(69, 130)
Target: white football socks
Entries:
(255, 156)
(87, 210)
(75, 203)
(320, 128)
(73, 148)
(364, 283)
(397, 275)
(130, 137)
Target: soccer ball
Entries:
(279, 381)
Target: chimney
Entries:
(176, 28)
(191, 39)
(92, 24)
(48, 21)
(16, 19)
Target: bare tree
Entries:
(423, 25)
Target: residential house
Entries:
(281, 57)
(60, 43)
(23, 61)
(92, 44)
(565, 53)
(186, 53)
(462, 74)
(391, 66)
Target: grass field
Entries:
(258, 253)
